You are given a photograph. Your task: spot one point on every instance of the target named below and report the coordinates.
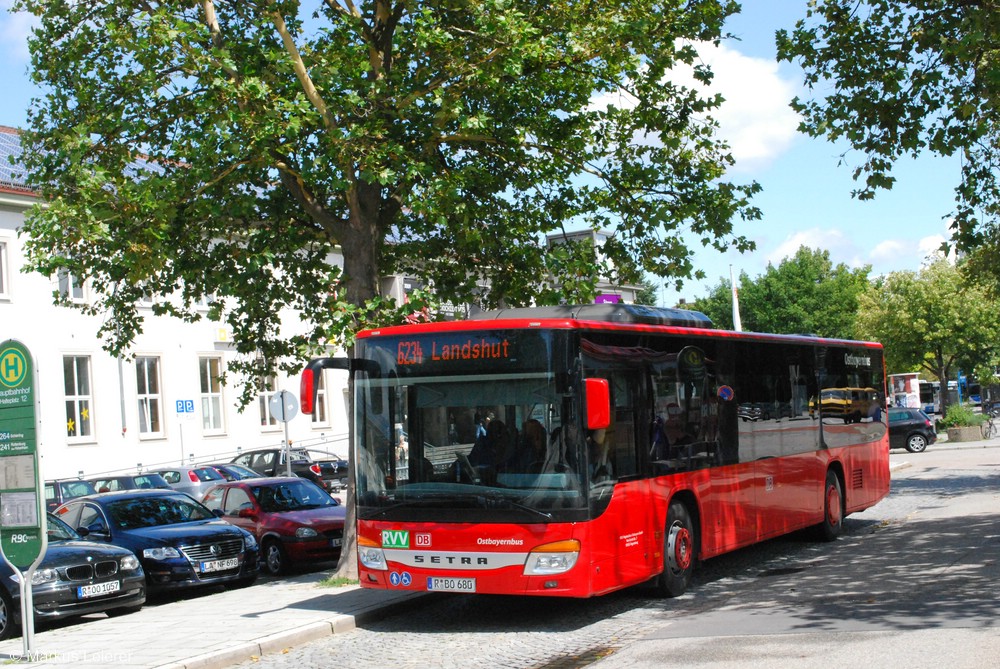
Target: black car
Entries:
(75, 578)
(60, 491)
(910, 428)
(179, 541)
(330, 474)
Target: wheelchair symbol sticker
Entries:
(400, 579)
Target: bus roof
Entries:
(600, 317)
(606, 313)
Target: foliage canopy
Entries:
(897, 78)
(223, 149)
(804, 294)
(938, 320)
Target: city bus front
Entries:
(469, 450)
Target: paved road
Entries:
(911, 583)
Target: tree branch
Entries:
(300, 71)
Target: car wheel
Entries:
(680, 541)
(275, 560)
(916, 443)
(833, 508)
(7, 626)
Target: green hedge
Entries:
(960, 415)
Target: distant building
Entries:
(607, 291)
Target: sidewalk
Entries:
(236, 625)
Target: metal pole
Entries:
(288, 444)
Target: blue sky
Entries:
(806, 198)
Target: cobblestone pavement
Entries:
(469, 632)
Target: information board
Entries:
(22, 518)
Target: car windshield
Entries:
(60, 531)
(71, 489)
(291, 496)
(133, 513)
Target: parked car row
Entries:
(326, 469)
(109, 549)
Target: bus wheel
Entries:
(679, 543)
(833, 508)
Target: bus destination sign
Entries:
(419, 351)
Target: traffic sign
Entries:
(283, 406)
(21, 516)
(23, 525)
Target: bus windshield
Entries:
(446, 440)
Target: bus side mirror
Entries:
(597, 394)
(309, 381)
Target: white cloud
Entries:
(889, 251)
(841, 248)
(755, 118)
(931, 245)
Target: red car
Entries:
(294, 520)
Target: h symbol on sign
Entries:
(12, 367)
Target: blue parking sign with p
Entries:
(185, 406)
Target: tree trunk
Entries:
(360, 243)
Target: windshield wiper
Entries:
(424, 499)
(491, 502)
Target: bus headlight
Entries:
(370, 554)
(555, 558)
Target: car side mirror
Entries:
(218, 513)
(82, 531)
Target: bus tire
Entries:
(833, 508)
(680, 541)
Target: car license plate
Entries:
(336, 543)
(439, 584)
(219, 565)
(98, 589)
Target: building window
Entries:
(147, 383)
(319, 418)
(210, 371)
(266, 387)
(79, 400)
(70, 287)
(4, 288)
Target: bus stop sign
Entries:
(22, 518)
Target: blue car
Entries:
(179, 541)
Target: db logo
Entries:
(422, 539)
(20, 538)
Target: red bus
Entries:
(577, 450)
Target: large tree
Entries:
(222, 149)
(803, 294)
(897, 78)
(937, 319)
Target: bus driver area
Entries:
(574, 451)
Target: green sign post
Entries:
(23, 536)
